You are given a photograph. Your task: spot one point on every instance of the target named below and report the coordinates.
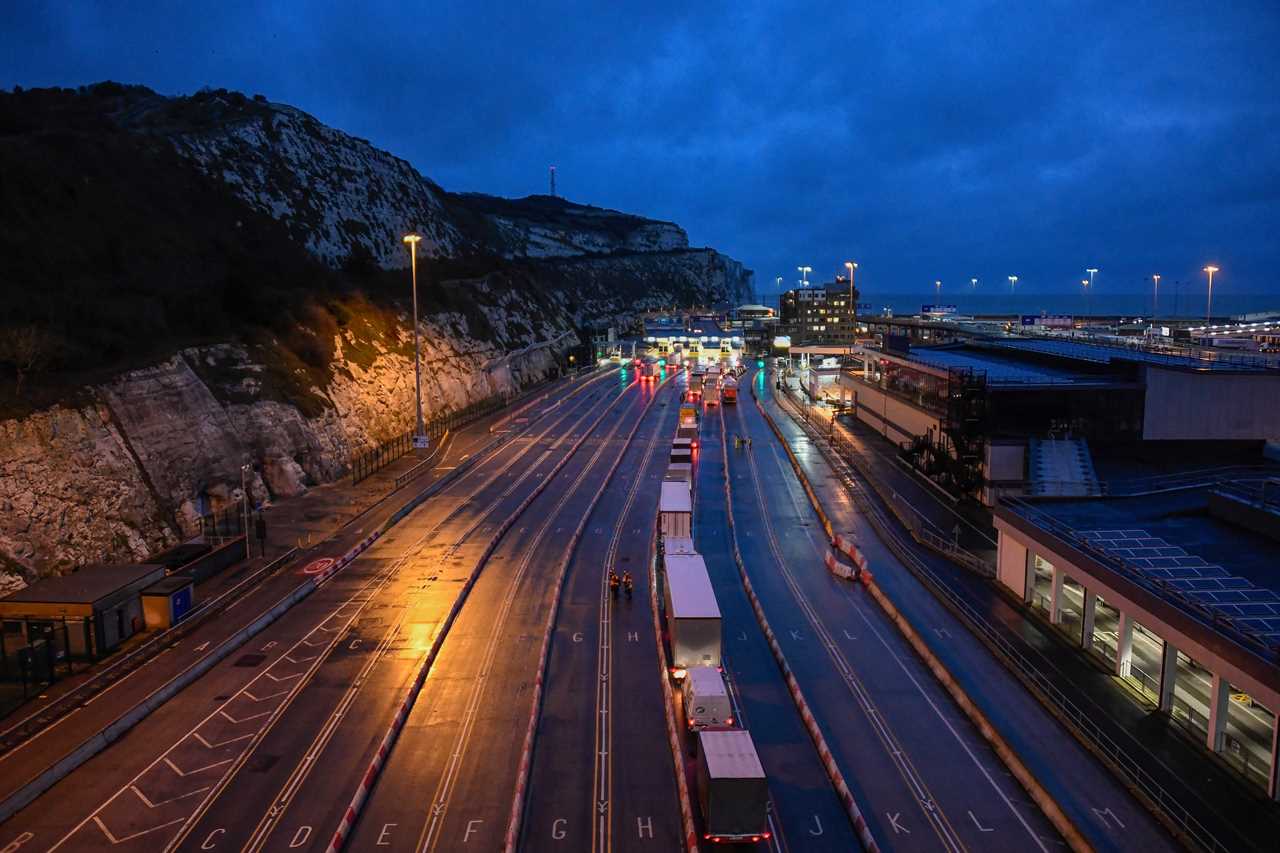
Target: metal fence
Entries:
(223, 525)
(377, 458)
(922, 529)
(1132, 765)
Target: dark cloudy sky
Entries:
(941, 140)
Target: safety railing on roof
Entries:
(1210, 616)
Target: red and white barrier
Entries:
(840, 567)
(793, 687)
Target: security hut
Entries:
(168, 600)
(675, 510)
(82, 615)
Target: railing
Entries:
(377, 458)
(1083, 722)
(1212, 618)
(922, 529)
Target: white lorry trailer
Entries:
(706, 699)
(693, 617)
(675, 510)
(732, 789)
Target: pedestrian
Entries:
(260, 531)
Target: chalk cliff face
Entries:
(125, 464)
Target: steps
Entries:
(1062, 467)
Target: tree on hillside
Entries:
(28, 350)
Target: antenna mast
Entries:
(553, 181)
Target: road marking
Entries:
(151, 805)
(123, 838)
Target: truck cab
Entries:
(706, 699)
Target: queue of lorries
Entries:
(732, 789)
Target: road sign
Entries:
(421, 442)
(937, 309)
(315, 567)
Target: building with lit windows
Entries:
(819, 315)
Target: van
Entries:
(706, 699)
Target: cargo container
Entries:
(711, 394)
(706, 699)
(729, 389)
(681, 455)
(676, 545)
(679, 473)
(693, 618)
(688, 416)
(732, 789)
(690, 433)
(675, 510)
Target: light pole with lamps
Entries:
(973, 283)
(1155, 296)
(804, 275)
(419, 437)
(1084, 282)
(853, 306)
(244, 493)
(1208, 311)
(1092, 271)
(937, 288)
(1013, 279)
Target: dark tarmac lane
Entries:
(255, 713)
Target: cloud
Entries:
(942, 140)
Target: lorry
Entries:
(695, 386)
(689, 432)
(711, 393)
(675, 510)
(732, 789)
(688, 416)
(676, 545)
(729, 389)
(706, 699)
(679, 472)
(692, 615)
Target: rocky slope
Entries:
(236, 293)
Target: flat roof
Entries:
(1000, 369)
(169, 585)
(691, 594)
(1168, 542)
(1085, 351)
(85, 586)
(731, 755)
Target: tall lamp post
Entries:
(1013, 279)
(853, 306)
(1208, 311)
(1155, 296)
(1084, 282)
(419, 435)
(1092, 271)
(937, 288)
(804, 275)
(973, 283)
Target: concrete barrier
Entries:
(1045, 801)
(113, 731)
(829, 764)
(531, 732)
(370, 777)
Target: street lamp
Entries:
(1092, 271)
(245, 470)
(419, 437)
(973, 283)
(804, 275)
(1013, 279)
(1208, 311)
(937, 287)
(1155, 296)
(853, 306)
(1085, 283)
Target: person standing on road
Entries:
(260, 531)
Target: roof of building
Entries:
(169, 585)
(1170, 544)
(1094, 353)
(1000, 369)
(86, 585)
(731, 755)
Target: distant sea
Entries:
(1184, 304)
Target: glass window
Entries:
(1191, 693)
(1246, 740)
(1146, 653)
(1106, 624)
(1042, 584)
(1072, 607)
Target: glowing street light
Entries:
(804, 275)
(1208, 311)
(1155, 296)
(853, 306)
(1013, 279)
(1092, 271)
(937, 287)
(973, 283)
(419, 437)
(1084, 282)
